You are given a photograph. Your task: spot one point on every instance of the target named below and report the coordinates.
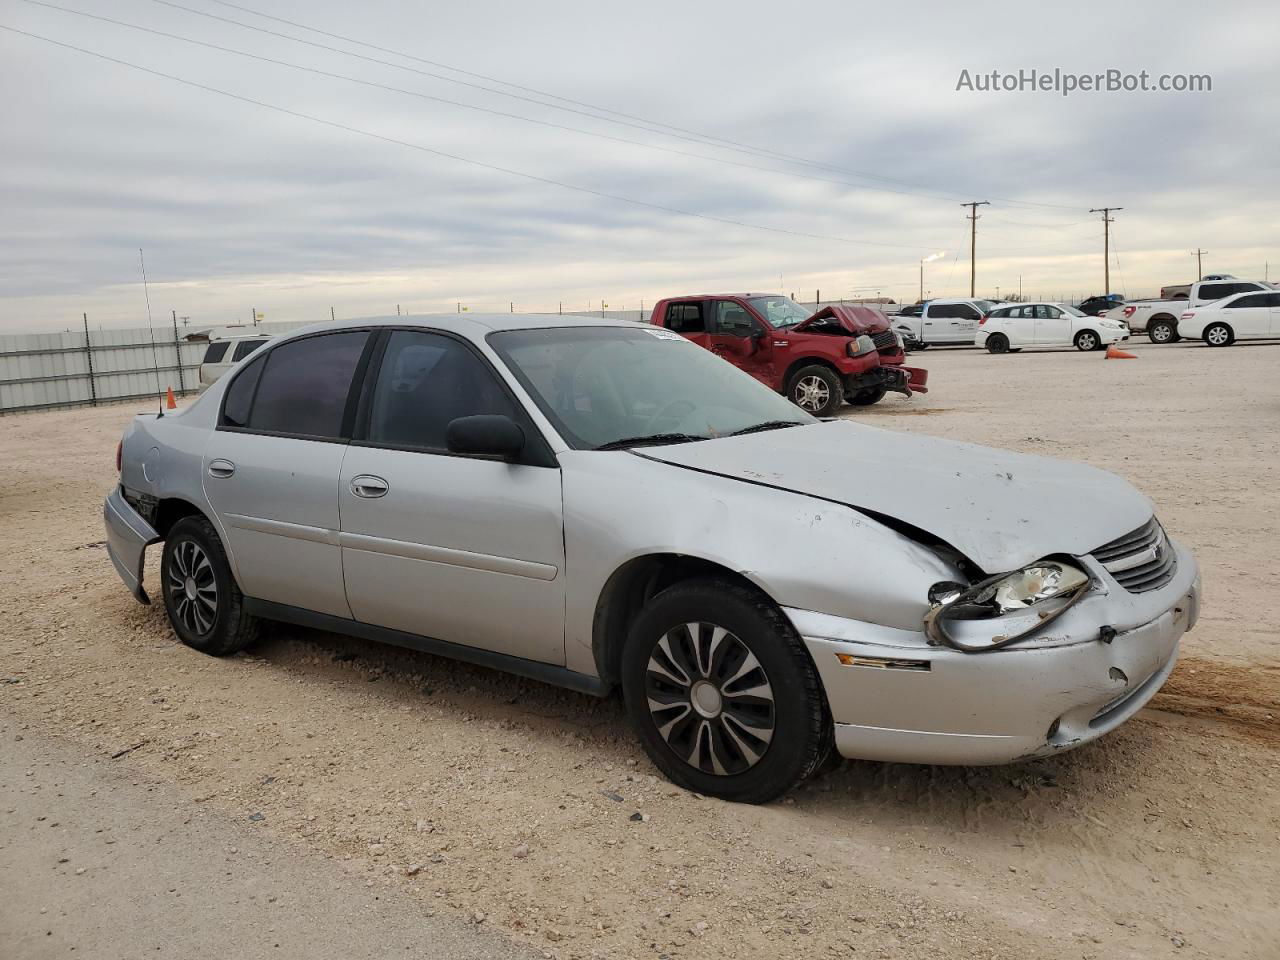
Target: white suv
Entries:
(1019, 325)
(943, 322)
(222, 355)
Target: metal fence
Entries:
(86, 367)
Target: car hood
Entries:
(852, 318)
(1002, 510)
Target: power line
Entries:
(642, 124)
(468, 106)
(453, 156)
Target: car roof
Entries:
(475, 326)
(711, 296)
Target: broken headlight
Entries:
(861, 346)
(1014, 598)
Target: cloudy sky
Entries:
(792, 147)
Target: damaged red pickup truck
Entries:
(817, 360)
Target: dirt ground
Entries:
(532, 810)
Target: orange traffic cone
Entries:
(169, 402)
(1115, 353)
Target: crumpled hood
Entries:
(1002, 510)
(853, 318)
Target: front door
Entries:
(458, 548)
(740, 338)
(271, 470)
(1053, 326)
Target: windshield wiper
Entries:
(653, 438)
(767, 425)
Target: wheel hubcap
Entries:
(1218, 335)
(812, 393)
(710, 698)
(193, 587)
(1160, 334)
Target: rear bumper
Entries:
(128, 536)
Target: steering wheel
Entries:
(666, 414)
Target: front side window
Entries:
(305, 383)
(426, 381)
(605, 385)
(216, 352)
(733, 320)
(782, 313)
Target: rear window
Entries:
(216, 352)
(235, 409)
(685, 318)
(305, 385)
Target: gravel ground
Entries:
(531, 810)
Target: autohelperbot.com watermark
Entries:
(1065, 83)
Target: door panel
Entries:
(1053, 327)
(279, 509)
(459, 549)
(732, 327)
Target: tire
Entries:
(816, 389)
(997, 343)
(919, 346)
(1087, 340)
(865, 398)
(1219, 335)
(1163, 331)
(689, 738)
(205, 606)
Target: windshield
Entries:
(985, 305)
(781, 312)
(602, 385)
(1072, 310)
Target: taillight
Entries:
(984, 319)
(1130, 311)
(1188, 315)
(119, 455)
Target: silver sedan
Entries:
(605, 505)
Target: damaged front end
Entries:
(868, 333)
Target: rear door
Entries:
(460, 548)
(1249, 316)
(1274, 300)
(689, 319)
(271, 468)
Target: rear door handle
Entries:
(369, 487)
(221, 468)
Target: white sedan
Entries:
(1017, 325)
(1245, 316)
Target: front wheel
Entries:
(1163, 331)
(865, 398)
(1087, 340)
(205, 606)
(1218, 335)
(723, 694)
(817, 390)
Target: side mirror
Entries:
(490, 435)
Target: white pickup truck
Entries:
(1159, 318)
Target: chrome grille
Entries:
(885, 340)
(1141, 560)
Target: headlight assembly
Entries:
(1054, 584)
(861, 346)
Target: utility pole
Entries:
(1107, 220)
(1199, 265)
(973, 240)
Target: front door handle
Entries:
(369, 487)
(221, 468)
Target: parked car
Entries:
(942, 322)
(600, 504)
(224, 353)
(1159, 318)
(1019, 325)
(840, 354)
(1092, 306)
(1243, 316)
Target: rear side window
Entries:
(235, 410)
(686, 318)
(246, 347)
(216, 352)
(305, 383)
(1257, 300)
(1216, 291)
(425, 382)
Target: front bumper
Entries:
(901, 700)
(128, 536)
(893, 379)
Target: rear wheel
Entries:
(1087, 340)
(205, 606)
(723, 694)
(865, 398)
(816, 389)
(1218, 335)
(1163, 331)
(997, 343)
